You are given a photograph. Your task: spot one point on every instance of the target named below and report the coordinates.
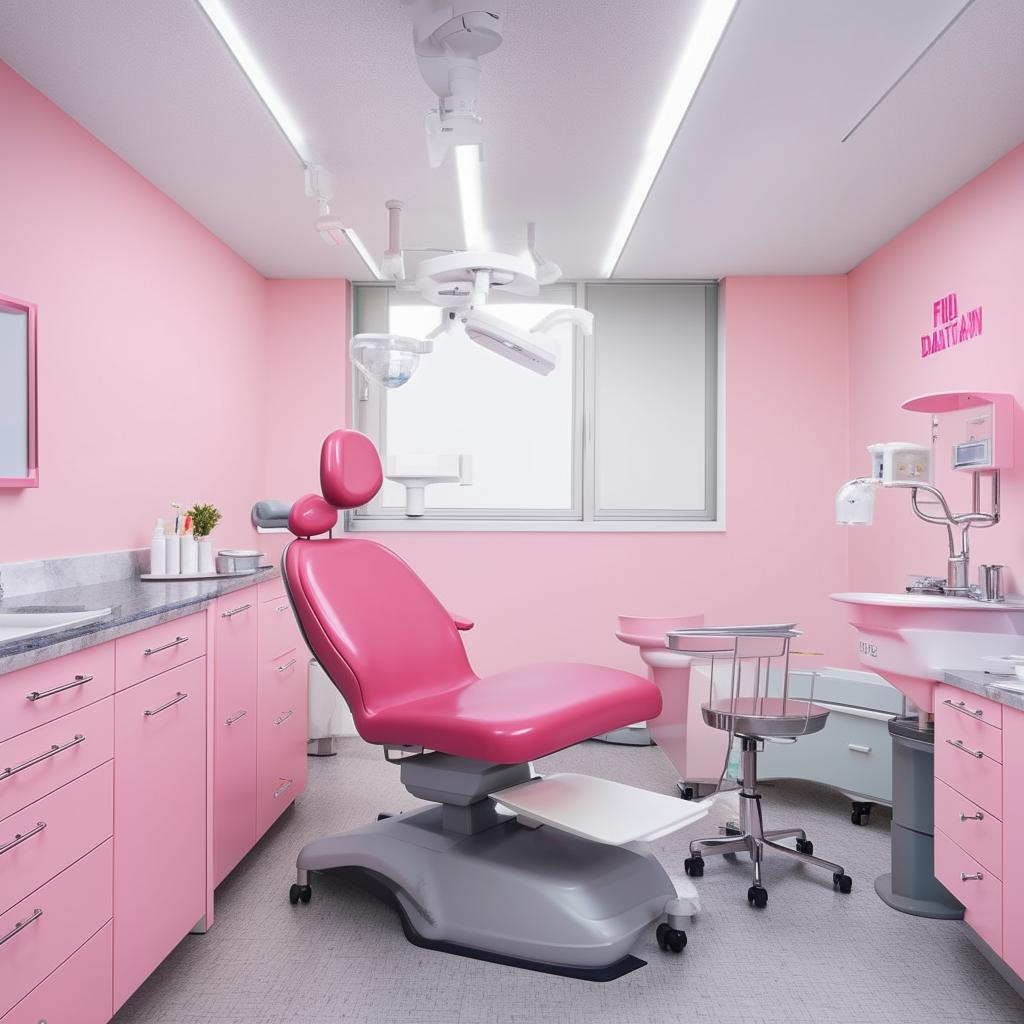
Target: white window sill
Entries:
(410, 525)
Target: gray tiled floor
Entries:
(813, 955)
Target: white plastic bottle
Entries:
(172, 547)
(158, 551)
(189, 555)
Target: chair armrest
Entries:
(461, 622)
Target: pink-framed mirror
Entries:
(19, 436)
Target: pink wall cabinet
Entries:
(19, 454)
(160, 819)
(234, 736)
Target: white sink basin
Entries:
(912, 640)
(16, 625)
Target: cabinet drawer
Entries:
(977, 889)
(37, 695)
(234, 785)
(159, 648)
(272, 590)
(55, 832)
(976, 831)
(160, 816)
(41, 932)
(951, 701)
(281, 759)
(980, 779)
(48, 757)
(78, 992)
(279, 632)
(972, 733)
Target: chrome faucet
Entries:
(958, 563)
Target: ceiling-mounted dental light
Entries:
(448, 39)
(388, 359)
(253, 70)
(694, 61)
(547, 272)
(471, 196)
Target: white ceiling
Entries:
(757, 182)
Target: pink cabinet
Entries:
(977, 888)
(159, 648)
(160, 819)
(45, 928)
(234, 730)
(1013, 837)
(78, 992)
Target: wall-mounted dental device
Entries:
(418, 471)
(983, 425)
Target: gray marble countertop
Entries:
(980, 683)
(133, 605)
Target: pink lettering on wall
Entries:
(949, 327)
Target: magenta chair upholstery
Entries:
(396, 653)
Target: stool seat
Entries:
(765, 717)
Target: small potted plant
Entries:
(204, 519)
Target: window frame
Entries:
(369, 415)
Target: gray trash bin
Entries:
(911, 886)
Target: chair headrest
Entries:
(350, 476)
(350, 470)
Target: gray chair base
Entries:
(472, 880)
(749, 836)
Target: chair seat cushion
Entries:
(521, 714)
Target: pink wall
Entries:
(557, 595)
(971, 244)
(151, 344)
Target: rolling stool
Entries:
(750, 712)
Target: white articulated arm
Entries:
(582, 318)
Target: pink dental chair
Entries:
(466, 877)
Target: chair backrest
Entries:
(377, 630)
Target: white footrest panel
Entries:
(608, 812)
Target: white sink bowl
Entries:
(912, 640)
(17, 625)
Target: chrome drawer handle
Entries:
(235, 611)
(40, 694)
(281, 789)
(858, 748)
(235, 717)
(962, 706)
(959, 744)
(22, 836)
(283, 718)
(972, 817)
(163, 647)
(55, 749)
(21, 926)
(287, 665)
(978, 876)
(283, 607)
(176, 699)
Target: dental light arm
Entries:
(582, 318)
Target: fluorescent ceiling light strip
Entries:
(225, 25)
(698, 52)
(471, 196)
(364, 255)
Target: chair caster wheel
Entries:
(686, 792)
(299, 892)
(805, 846)
(861, 812)
(844, 883)
(671, 938)
(757, 896)
(694, 866)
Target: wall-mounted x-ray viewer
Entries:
(19, 462)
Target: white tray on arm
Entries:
(598, 809)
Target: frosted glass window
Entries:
(516, 424)
(14, 411)
(653, 347)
